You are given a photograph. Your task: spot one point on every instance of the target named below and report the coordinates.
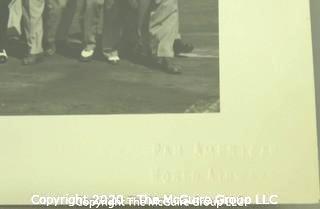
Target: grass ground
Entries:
(63, 85)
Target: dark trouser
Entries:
(114, 14)
(143, 22)
(4, 16)
(55, 13)
(91, 20)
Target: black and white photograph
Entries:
(159, 103)
(61, 57)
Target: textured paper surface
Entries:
(263, 141)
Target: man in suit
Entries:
(4, 16)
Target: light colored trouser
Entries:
(111, 10)
(164, 28)
(15, 15)
(33, 25)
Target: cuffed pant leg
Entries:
(164, 28)
(33, 24)
(91, 19)
(113, 22)
(15, 15)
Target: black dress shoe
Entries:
(180, 47)
(50, 50)
(3, 57)
(168, 66)
(32, 59)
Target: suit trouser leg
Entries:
(163, 35)
(91, 19)
(143, 27)
(129, 30)
(54, 12)
(15, 15)
(4, 16)
(33, 24)
(113, 24)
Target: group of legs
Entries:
(38, 33)
(151, 26)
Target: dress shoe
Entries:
(180, 47)
(86, 55)
(50, 50)
(112, 57)
(32, 59)
(3, 56)
(168, 66)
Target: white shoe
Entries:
(3, 56)
(86, 55)
(112, 57)
(3, 53)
